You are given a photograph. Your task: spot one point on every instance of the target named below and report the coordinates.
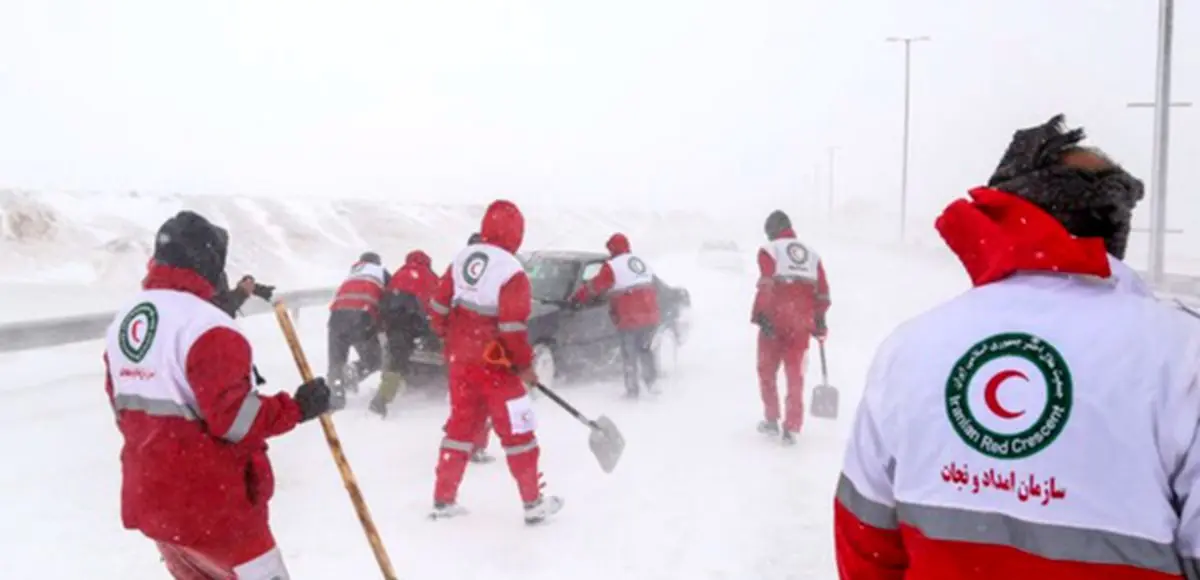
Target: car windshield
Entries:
(551, 280)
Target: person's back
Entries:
(479, 274)
(407, 296)
(1043, 424)
(1027, 433)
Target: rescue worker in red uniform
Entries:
(195, 476)
(354, 323)
(405, 319)
(789, 310)
(480, 309)
(632, 295)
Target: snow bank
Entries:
(58, 241)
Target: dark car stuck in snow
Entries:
(572, 340)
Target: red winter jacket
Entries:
(180, 482)
(468, 335)
(415, 277)
(361, 291)
(792, 308)
(632, 309)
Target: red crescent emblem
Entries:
(992, 389)
(135, 331)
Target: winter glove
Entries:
(246, 285)
(313, 398)
(764, 325)
(820, 331)
(263, 291)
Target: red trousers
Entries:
(479, 393)
(253, 557)
(790, 352)
(481, 441)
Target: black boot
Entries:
(768, 427)
(379, 407)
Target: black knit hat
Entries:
(1090, 202)
(190, 242)
(476, 238)
(776, 223)
(371, 258)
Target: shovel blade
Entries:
(606, 443)
(825, 402)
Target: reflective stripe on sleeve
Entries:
(439, 308)
(244, 419)
(867, 511)
(513, 327)
(464, 446)
(523, 448)
(154, 407)
(1050, 541)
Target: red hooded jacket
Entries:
(186, 480)
(631, 308)
(468, 333)
(791, 308)
(415, 277)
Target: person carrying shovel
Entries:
(482, 302)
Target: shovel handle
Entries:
(561, 402)
(824, 369)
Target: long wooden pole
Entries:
(335, 447)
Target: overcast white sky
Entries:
(668, 102)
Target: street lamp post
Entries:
(1155, 266)
(908, 41)
(1162, 117)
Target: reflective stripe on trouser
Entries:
(521, 448)
(464, 446)
(1050, 541)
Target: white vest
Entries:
(367, 271)
(794, 261)
(147, 346)
(1069, 403)
(479, 271)
(629, 272)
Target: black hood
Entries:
(190, 242)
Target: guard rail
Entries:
(35, 334)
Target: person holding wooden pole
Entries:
(196, 478)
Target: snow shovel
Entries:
(825, 397)
(606, 440)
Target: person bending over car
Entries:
(633, 305)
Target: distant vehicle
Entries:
(570, 340)
(721, 255)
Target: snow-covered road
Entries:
(699, 494)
